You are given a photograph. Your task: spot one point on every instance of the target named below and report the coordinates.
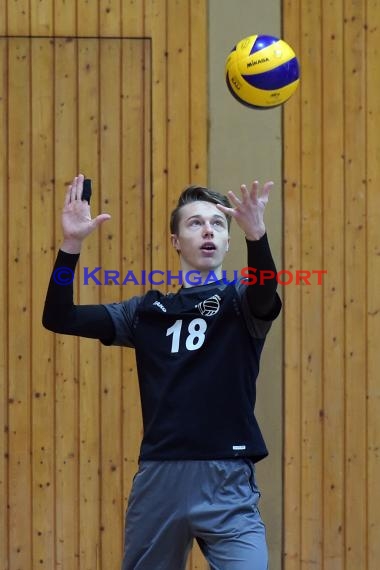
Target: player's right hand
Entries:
(76, 216)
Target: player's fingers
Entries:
(225, 209)
(79, 180)
(234, 199)
(73, 193)
(68, 196)
(100, 219)
(265, 191)
(244, 193)
(254, 190)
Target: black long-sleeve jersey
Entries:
(198, 353)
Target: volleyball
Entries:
(262, 71)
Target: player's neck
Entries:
(193, 276)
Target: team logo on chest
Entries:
(209, 307)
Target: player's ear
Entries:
(175, 242)
(228, 245)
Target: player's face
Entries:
(202, 238)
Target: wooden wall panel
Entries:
(136, 210)
(88, 95)
(355, 285)
(333, 290)
(42, 347)
(198, 84)
(65, 18)
(373, 281)
(3, 19)
(155, 25)
(19, 305)
(110, 22)
(87, 17)
(72, 424)
(18, 17)
(178, 105)
(198, 167)
(292, 143)
(66, 350)
(133, 16)
(331, 502)
(112, 428)
(311, 296)
(4, 230)
(41, 17)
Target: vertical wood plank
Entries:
(67, 398)
(178, 20)
(198, 91)
(136, 242)
(198, 136)
(147, 154)
(19, 305)
(292, 305)
(311, 295)
(3, 18)
(110, 21)
(182, 55)
(42, 342)
(41, 17)
(111, 360)
(373, 282)
(4, 428)
(155, 26)
(18, 15)
(88, 18)
(333, 255)
(65, 18)
(132, 18)
(355, 286)
(89, 377)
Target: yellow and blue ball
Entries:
(262, 71)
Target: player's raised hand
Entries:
(76, 217)
(248, 211)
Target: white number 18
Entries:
(194, 340)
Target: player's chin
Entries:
(209, 265)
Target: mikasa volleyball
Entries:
(262, 71)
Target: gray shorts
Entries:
(214, 502)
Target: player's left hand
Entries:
(248, 211)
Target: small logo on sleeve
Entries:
(160, 305)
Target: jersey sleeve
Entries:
(61, 316)
(123, 316)
(257, 326)
(260, 301)
(112, 323)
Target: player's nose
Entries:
(207, 229)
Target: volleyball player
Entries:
(198, 352)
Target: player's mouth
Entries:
(208, 248)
